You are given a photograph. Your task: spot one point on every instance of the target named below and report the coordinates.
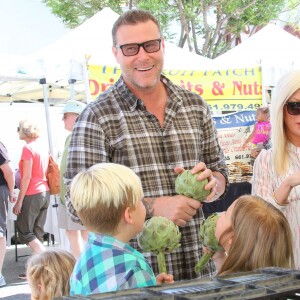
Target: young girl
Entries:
(48, 274)
(254, 234)
(262, 128)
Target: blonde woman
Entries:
(276, 173)
(33, 199)
(49, 274)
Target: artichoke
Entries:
(159, 236)
(187, 184)
(208, 238)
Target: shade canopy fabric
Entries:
(93, 39)
(276, 50)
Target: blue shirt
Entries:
(107, 264)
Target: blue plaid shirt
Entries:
(107, 264)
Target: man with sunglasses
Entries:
(157, 129)
(276, 172)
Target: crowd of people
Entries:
(119, 166)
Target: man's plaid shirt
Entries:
(118, 128)
(106, 265)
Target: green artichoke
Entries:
(159, 236)
(208, 238)
(187, 184)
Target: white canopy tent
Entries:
(93, 39)
(272, 48)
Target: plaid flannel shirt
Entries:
(106, 265)
(118, 128)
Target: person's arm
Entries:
(282, 193)
(25, 180)
(178, 208)
(87, 147)
(181, 209)
(249, 138)
(9, 176)
(263, 177)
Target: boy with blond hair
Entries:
(108, 200)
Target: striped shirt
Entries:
(118, 128)
(106, 265)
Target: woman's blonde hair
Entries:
(52, 270)
(29, 129)
(261, 237)
(285, 88)
(102, 193)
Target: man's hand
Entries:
(205, 173)
(179, 209)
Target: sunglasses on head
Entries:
(293, 108)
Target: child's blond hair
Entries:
(261, 237)
(101, 194)
(50, 269)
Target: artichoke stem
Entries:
(203, 261)
(161, 262)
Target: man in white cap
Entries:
(76, 233)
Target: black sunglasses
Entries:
(293, 108)
(133, 49)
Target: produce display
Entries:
(239, 172)
(187, 184)
(208, 239)
(159, 236)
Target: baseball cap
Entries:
(73, 106)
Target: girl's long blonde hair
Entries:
(261, 237)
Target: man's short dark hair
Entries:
(132, 17)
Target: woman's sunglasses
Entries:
(293, 108)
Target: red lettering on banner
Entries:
(105, 86)
(246, 89)
(218, 88)
(189, 86)
(199, 89)
(94, 87)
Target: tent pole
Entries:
(46, 104)
(86, 83)
(72, 88)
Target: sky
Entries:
(27, 26)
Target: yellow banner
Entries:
(231, 89)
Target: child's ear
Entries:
(230, 240)
(127, 215)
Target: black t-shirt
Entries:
(3, 159)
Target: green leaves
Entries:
(159, 236)
(187, 184)
(208, 239)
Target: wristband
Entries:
(280, 204)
